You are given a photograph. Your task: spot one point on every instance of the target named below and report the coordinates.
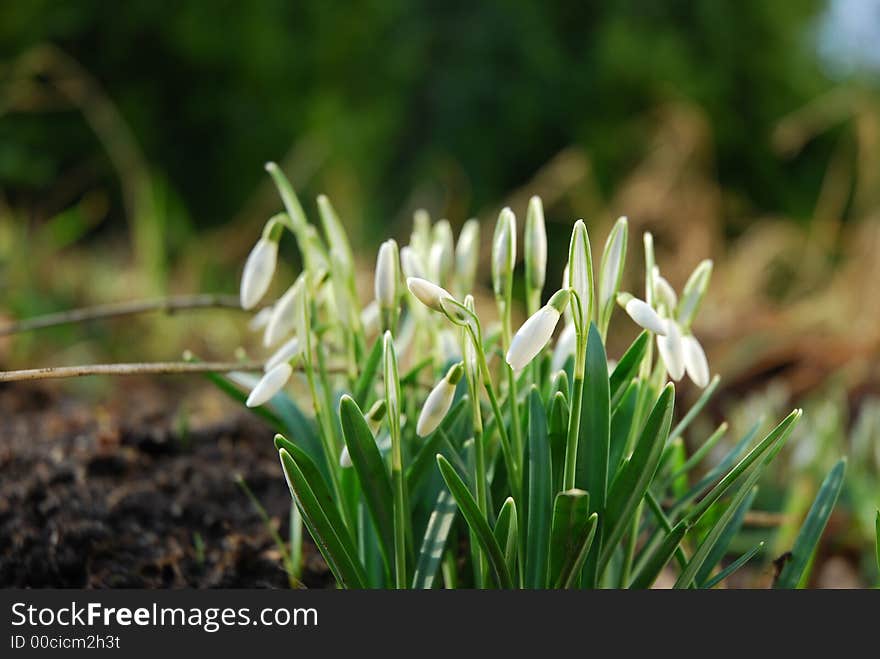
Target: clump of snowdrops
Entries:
(428, 449)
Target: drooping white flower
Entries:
(439, 401)
(536, 332)
(289, 349)
(258, 271)
(387, 275)
(284, 314)
(672, 350)
(645, 316)
(269, 385)
(695, 362)
(427, 293)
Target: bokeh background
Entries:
(133, 138)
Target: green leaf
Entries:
(621, 422)
(811, 531)
(505, 533)
(323, 521)
(724, 540)
(477, 523)
(419, 465)
(877, 531)
(593, 447)
(733, 567)
(365, 381)
(556, 434)
(371, 472)
(661, 556)
(540, 494)
(571, 535)
(627, 367)
(434, 542)
(636, 474)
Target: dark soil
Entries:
(119, 494)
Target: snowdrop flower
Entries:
(672, 350)
(284, 313)
(467, 255)
(260, 319)
(387, 275)
(580, 272)
(442, 250)
(695, 362)
(642, 313)
(535, 333)
(503, 252)
(258, 271)
(269, 385)
(427, 293)
(439, 401)
(535, 246)
(565, 347)
(285, 353)
(410, 264)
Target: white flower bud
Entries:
(644, 316)
(285, 353)
(269, 385)
(613, 257)
(580, 271)
(260, 319)
(335, 232)
(534, 334)
(467, 255)
(410, 264)
(438, 402)
(258, 271)
(387, 275)
(695, 362)
(672, 350)
(535, 246)
(427, 293)
(444, 245)
(503, 252)
(284, 314)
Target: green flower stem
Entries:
(574, 417)
(630, 549)
(398, 485)
(512, 397)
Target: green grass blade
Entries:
(621, 422)
(721, 546)
(733, 567)
(700, 453)
(571, 535)
(371, 472)
(505, 533)
(648, 574)
(365, 380)
(540, 494)
(636, 474)
(434, 542)
(326, 527)
(767, 446)
(477, 523)
(592, 465)
(811, 531)
(627, 367)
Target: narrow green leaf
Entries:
(571, 535)
(371, 472)
(733, 567)
(365, 380)
(627, 367)
(556, 434)
(724, 540)
(696, 409)
(811, 531)
(434, 542)
(700, 453)
(419, 465)
(621, 422)
(505, 533)
(540, 494)
(877, 531)
(323, 522)
(477, 523)
(636, 474)
(593, 446)
(661, 556)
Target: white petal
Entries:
(283, 320)
(385, 285)
(644, 316)
(345, 458)
(435, 408)
(580, 266)
(427, 293)
(695, 362)
(467, 254)
(285, 353)
(258, 271)
(260, 319)
(409, 263)
(671, 350)
(531, 338)
(536, 244)
(269, 385)
(664, 291)
(565, 347)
